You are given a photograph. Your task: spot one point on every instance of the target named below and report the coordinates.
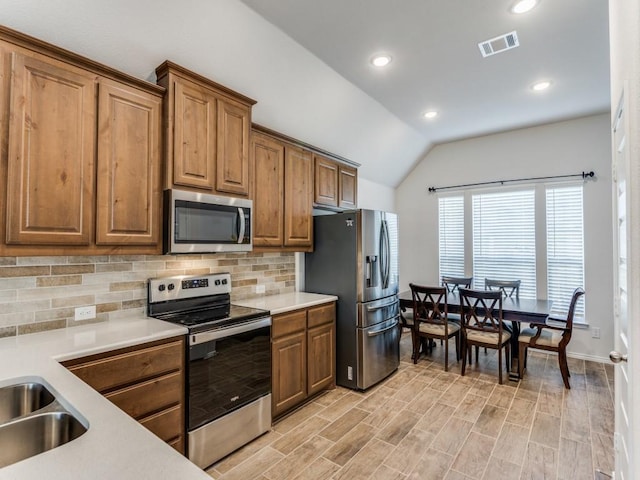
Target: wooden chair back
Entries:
(427, 303)
(481, 310)
(454, 283)
(507, 287)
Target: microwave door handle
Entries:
(240, 224)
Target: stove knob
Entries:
(161, 287)
(217, 282)
(224, 281)
(171, 286)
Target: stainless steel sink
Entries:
(34, 420)
(22, 399)
(29, 436)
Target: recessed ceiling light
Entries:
(523, 6)
(540, 86)
(430, 114)
(381, 60)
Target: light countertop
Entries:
(115, 446)
(286, 302)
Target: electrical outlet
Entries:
(260, 289)
(85, 313)
(595, 332)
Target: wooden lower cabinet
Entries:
(146, 381)
(303, 355)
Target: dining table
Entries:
(514, 309)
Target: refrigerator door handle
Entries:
(384, 252)
(386, 329)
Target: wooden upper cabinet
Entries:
(50, 172)
(80, 154)
(268, 191)
(336, 184)
(232, 173)
(128, 183)
(298, 198)
(194, 136)
(282, 194)
(326, 181)
(348, 187)
(207, 138)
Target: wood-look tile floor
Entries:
(424, 423)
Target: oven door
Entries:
(228, 369)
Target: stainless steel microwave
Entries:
(203, 223)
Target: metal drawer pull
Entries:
(378, 332)
(380, 307)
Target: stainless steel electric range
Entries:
(228, 388)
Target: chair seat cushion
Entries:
(490, 338)
(547, 338)
(408, 318)
(433, 329)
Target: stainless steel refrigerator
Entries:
(356, 258)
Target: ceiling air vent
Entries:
(499, 44)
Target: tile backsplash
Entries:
(41, 293)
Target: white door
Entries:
(625, 297)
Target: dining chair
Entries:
(550, 337)
(452, 284)
(430, 320)
(481, 314)
(507, 287)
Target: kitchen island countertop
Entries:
(115, 446)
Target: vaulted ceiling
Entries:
(437, 65)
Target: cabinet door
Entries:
(348, 187)
(128, 196)
(298, 198)
(268, 197)
(289, 383)
(321, 358)
(326, 181)
(50, 175)
(194, 141)
(232, 157)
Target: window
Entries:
(505, 242)
(451, 221)
(504, 239)
(565, 247)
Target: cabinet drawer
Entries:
(321, 315)
(166, 424)
(178, 444)
(287, 323)
(119, 370)
(148, 397)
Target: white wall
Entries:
(556, 149)
(376, 196)
(224, 40)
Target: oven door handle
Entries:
(203, 337)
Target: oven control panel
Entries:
(181, 287)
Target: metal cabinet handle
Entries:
(617, 357)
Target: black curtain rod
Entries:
(583, 175)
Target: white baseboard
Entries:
(591, 358)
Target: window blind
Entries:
(451, 228)
(504, 239)
(565, 248)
